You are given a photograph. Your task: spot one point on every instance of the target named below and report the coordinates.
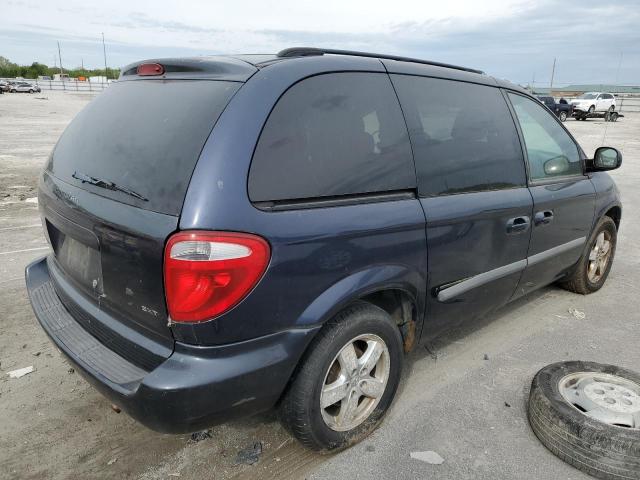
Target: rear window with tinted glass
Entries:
(142, 136)
(331, 135)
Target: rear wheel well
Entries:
(401, 308)
(615, 213)
(398, 304)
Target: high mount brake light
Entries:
(207, 273)
(148, 69)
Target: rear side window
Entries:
(333, 134)
(143, 136)
(463, 136)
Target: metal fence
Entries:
(628, 104)
(624, 102)
(70, 85)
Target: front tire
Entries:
(346, 381)
(592, 109)
(594, 266)
(562, 116)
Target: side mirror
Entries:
(557, 166)
(605, 158)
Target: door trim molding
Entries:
(447, 292)
(552, 252)
(465, 285)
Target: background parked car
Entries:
(592, 102)
(561, 109)
(4, 86)
(24, 87)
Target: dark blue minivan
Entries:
(231, 234)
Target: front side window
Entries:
(463, 137)
(550, 150)
(331, 135)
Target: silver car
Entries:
(24, 87)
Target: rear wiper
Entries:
(98, 182)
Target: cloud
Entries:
(142, 20)
(586, 38)
(506, 38)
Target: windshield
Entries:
(588, 96)
(138, 142)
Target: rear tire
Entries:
(594, 265)
(562, 116)
(330, 361)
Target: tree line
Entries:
(9, 69)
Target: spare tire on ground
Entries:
(588, 414)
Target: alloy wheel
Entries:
(599, 257)
(355, 382)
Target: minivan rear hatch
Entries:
(111, 194)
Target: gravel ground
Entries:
(463, 396)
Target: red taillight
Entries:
(207, 273)
(147, 69)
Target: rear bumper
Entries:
(194, 388)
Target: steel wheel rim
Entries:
(608, 398)
(599, 257)
(355, 382)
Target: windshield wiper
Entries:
(99, 182)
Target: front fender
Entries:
(361, 283)
(607, 195)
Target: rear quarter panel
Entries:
(322, 257)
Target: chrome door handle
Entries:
(543, 218)
(518, 224)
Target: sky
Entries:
(594, 41)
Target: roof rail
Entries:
(310, 51)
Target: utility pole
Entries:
(553, 71)
(618, 70)
(104, 52)
(60, 57)
(61, 77)
(533, 84)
